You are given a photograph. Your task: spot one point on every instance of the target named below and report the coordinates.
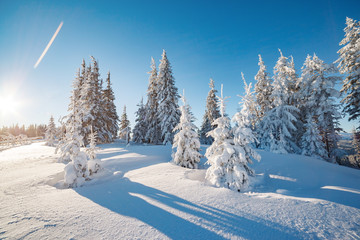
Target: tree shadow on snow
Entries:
(147, 204)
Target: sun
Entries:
(8, 105)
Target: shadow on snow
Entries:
(136, 200)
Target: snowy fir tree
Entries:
(50, 133)
(140, 128)
(152, 120)
(99, 111)
(243, 138)
(349, 64)
(167, 97)
(95, 105)
(125, 126)
(251, 106)
(224, 156)
(277, 126)
(318, 101)
(75, 98)
(312, 144)
(211, 113)
(263, 89)
(111, 117)
(76, 171)
(186, 140)
(94, 164)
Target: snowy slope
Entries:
(140, 195)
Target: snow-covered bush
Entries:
(186, 140)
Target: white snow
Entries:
(139, 194)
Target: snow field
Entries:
(141, 195)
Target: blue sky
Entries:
(203, 39)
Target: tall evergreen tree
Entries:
(50, 132)
(99, 123)
(349, 64)
(153, 134)
(140, 128)
(211, 113)
(244, 137)
(93, 106)
(125, 126)
(75, 97)
(186, 140)
(263, 89)
(168, 96)
(111, 116)
(87, 104)
(312, 144)
(278, 124)
(317, 101)
(227, 158)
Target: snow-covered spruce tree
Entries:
(244, 137)
(92, 105)
(124, 126)
(167, 97)
(349, 64)
(153, 134)
(111, 117)
(140, 128)
(77, 91)
(317, 101)
(251, 106)
(76, 171)
(277, 125)
(311, 143)
(75, 111)
(223, 155)
(211, 113)
(263, 90)
(186, 140)
(50, 132)
(94, 164)
(99, 124)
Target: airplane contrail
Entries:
(48, 46)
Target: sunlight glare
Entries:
(8, 105)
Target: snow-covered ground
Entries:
(140, 195)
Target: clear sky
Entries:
(203, 39)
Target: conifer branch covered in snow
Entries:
(186, 140)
